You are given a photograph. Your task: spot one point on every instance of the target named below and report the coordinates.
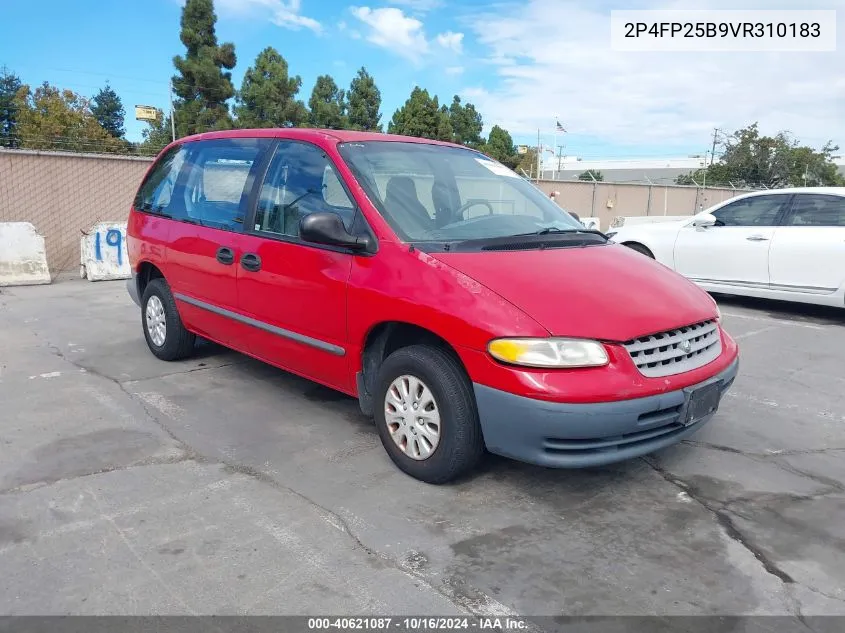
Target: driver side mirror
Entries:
(327, 228)
(704, 220)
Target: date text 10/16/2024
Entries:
(418, 623)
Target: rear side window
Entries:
(817, 210)
(156, 192)
(218, 179)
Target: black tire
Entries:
(461, 445)
(178, 342)
(636, 246)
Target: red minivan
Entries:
(463, 308)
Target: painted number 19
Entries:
(113, 239)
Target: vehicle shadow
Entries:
(785, 310)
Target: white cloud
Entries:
(390, 28)
(552, 58)
(452, 41)
(419, 5)
(284, 13)
(402, 34)
(454, 70)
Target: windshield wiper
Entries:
(554, 229)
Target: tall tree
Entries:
(49, 118)
(749, 158)
(268, 94)
(10, 83)
(527, 163)
(421, 116)
(364, 102)
(466, 123)
(203, 85)
(108, 109)
(500, 147)
(327, 104)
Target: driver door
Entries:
(736, 249)
(293, 291)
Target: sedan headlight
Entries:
(548, 352)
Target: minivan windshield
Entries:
(437, 193)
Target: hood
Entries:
(606, 292)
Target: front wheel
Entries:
(426, 414)
(166, 337)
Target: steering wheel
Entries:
(471, 203)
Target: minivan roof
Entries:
(311, 134)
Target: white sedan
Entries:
(786, 244)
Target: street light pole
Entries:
(172, 115)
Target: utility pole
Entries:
(539, 157)
(172, 115)
(713, 151)
(559, 156)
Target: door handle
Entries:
(757, 238)
(225, 255)
(251, 262)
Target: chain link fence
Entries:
(608, 200)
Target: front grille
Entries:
(666, 353)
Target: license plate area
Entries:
(702, 402)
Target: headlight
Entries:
(548, 352)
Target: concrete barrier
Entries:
(103, 252)
(23, 256)
(646, 219)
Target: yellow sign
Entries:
(146, 113)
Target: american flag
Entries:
(559, 127)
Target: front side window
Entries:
(817, 210)
(216, 185)
(438, 193)
(753, 211)
(156, 192)
(300, 180)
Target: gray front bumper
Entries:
(562, 435)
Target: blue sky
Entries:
(524, 63)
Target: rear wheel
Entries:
(636, 246)
(426, 414)
(166, 337)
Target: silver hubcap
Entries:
(156, 323)
(412, 417)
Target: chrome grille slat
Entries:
(660, 354)
(673, 351)
(671, 337)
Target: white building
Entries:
(642, 170)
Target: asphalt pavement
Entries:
(220, 485)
